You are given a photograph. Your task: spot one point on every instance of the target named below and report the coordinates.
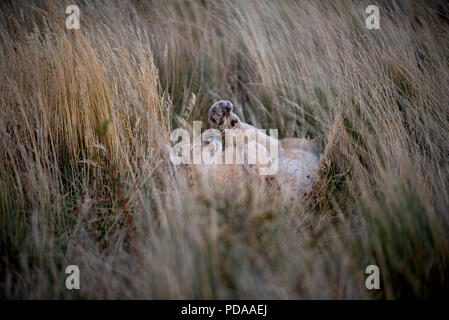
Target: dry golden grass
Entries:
(85, 177)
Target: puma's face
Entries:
(212, 145)
(221, 116)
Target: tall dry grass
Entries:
(85, 178)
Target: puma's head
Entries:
(212, 145)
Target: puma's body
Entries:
(221, 172)
(297, 158)
(297, 171)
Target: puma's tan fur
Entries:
(297, 158)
